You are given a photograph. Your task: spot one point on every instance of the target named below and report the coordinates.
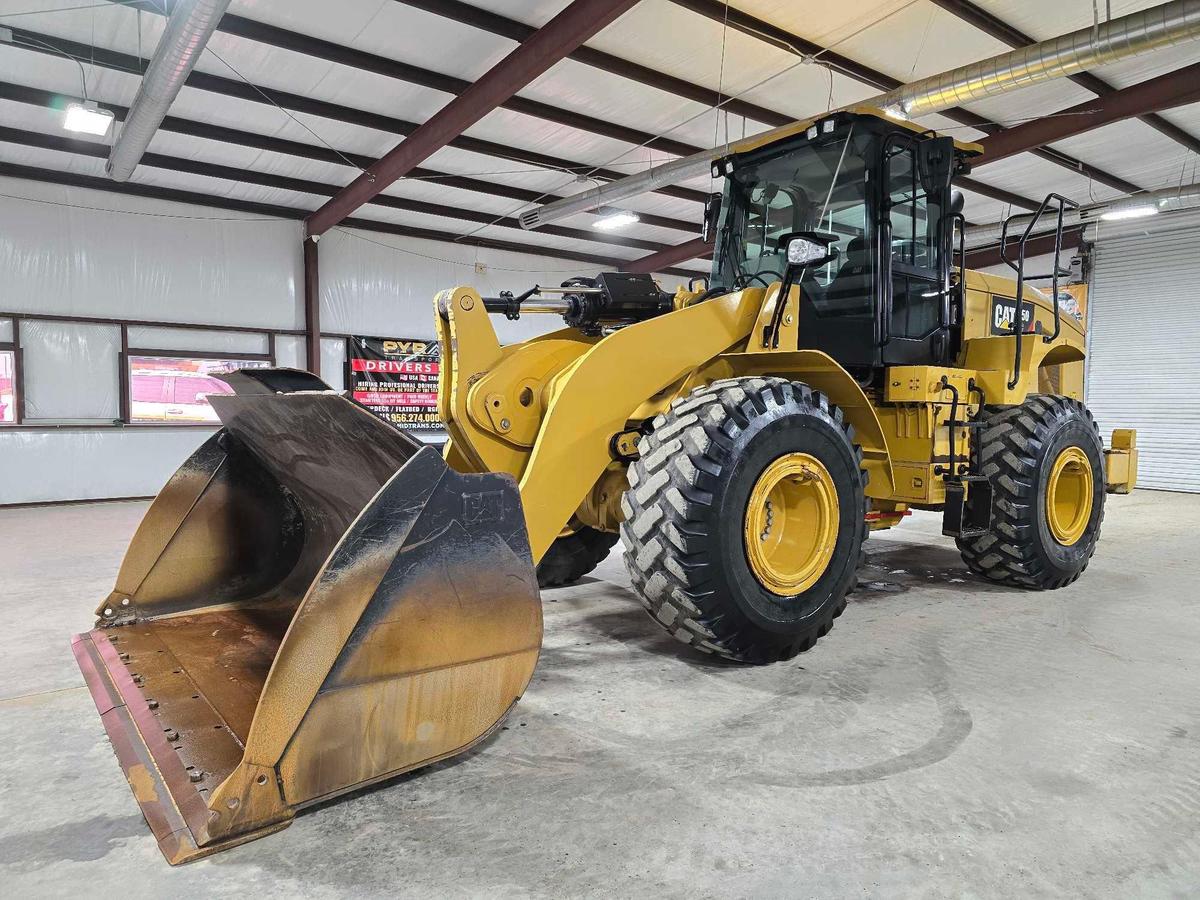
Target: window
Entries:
(913, 217)
(8, 387)
(815, 185)
(176, 388)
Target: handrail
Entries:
(1060, 204)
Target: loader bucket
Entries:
(313, 602)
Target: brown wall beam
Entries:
(312, 307)
(558, 37)
(1172, 89)
(221, 134)
(793, 43)
(494, 23)
(317, 48)
(1007, 34)
(95, 149)
(661, 261)
(983, 257)
(227, 87)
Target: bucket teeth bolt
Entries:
(171, 733)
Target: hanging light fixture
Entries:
(1129, 211)
(87, 118)
(616, 219)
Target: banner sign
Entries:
(397, 379)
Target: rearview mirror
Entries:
(712, 215)
(808, 248)
(935, 164)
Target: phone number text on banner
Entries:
(396, 378)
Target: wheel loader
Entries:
(317, 601)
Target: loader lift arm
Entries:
(585, 402)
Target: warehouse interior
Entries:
(200, 190)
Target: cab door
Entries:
(915, 309)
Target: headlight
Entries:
(802, 252)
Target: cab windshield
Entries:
(765, 200)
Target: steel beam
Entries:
(1007, 34)
(518, 31)
(778, 37)
(312, 307)
(1172, 89)
(697, 248)
(285, 39)
(208, 131)
(49, 44)
(558, 37)
(494, 23)
(80, 147)
(983, 257)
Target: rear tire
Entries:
(1018, 452)
(574, 555)
(688, 516)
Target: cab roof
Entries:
(786, 131)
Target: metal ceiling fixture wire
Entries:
(33, 43)
(924, 38)
(108, 4)
(720, 88)
(137, 212)
(270, 99)
(804, 60)
(456, 262)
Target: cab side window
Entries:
(913, 217)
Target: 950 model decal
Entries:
(1004, 312)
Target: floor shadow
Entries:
(85, 840)
(632, 626)
(902, 568)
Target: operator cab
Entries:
(878, 193)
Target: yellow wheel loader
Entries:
(317, 601)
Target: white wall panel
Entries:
(381, 285)
(289, 351)
(196, 340)
(91, 464)
(70, 370)
(333, 362)
(64, 250)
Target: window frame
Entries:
(127, 356)
(18, 394)
(897, 144)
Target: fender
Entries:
(819, 370)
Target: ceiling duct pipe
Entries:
(189, 27)
(1146, 203)
(1131, 35)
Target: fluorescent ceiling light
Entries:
(1129, 212)
(616, 220)
(87, 119)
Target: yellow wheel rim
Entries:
(791, 524)
(1069, 496)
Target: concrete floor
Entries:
(948, 738)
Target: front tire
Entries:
(1045, 461)
(699, 501)
(573, 555)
